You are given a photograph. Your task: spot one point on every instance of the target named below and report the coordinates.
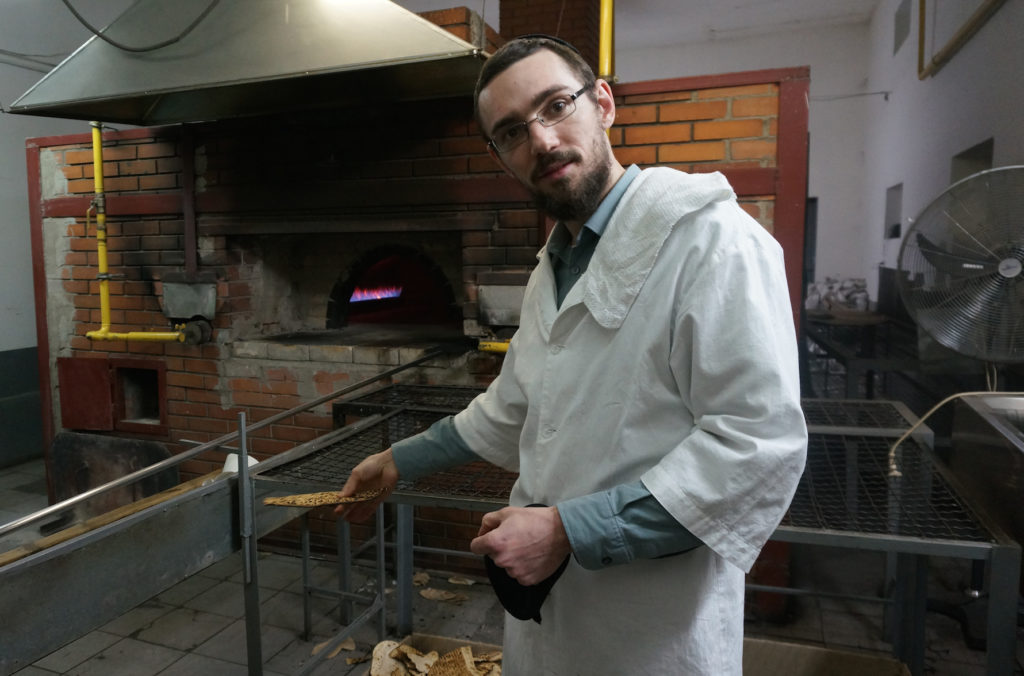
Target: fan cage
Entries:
(960, 267)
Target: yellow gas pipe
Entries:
(499, 346)
(606, 42)
(606, 71)
(99, 205)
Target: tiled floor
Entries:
(197, 627)
(22, 491)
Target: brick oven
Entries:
(340, 242)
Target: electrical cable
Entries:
(839, 97)
(32, 58)
(149, 48)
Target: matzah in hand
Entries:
(318, 499)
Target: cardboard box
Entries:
(763, 657)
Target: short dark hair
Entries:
(519, 48)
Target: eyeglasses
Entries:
(551, 113)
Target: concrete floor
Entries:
(197, 627)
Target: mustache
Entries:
(553, 158)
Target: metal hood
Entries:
(254, 57)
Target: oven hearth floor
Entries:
(373, 335)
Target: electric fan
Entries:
(961, 275)
(961, 278)
(961, 267)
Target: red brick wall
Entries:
(468, 25)
(575, 21)
(714, 129)
(209, 384)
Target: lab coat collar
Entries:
(656, 200)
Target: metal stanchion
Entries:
(247, 531)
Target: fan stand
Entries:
(971, 614)
(974, 611)
(961, 280)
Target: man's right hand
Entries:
(375, 472)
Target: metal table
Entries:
(208, 518)
(852, 494)
(860, 416)
(389, 414)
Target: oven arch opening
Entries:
(393, 285)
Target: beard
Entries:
(564, 202)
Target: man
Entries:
(650, 397)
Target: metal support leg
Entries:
(382, 575)
(376, 608)
(1004, 591)
(403, 568)
(911, 604)
(247, 530)
(345, 569)
(853, 376)
(307, 582)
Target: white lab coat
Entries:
(673, 361)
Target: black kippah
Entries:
(533, 36)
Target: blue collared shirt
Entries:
(607, 528)
(570, 260)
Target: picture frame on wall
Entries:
(945, 26)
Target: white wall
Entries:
(976, 96)
(29, 27)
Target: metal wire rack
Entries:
(331, 465)
(848, 496)
(847, 486)
(856, 413)
(440, 398)
(831, 413)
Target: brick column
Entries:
(576, 21)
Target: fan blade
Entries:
(949, 263)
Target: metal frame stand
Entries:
(247, 529)
(250, 554)
(404, 567)
(852, 501)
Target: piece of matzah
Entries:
(318, 499)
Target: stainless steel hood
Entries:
(254, 57)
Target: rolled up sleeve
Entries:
(621, 525)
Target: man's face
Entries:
(567, 166)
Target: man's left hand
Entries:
(528, 542)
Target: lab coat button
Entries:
(549, 431)
(555, 349)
